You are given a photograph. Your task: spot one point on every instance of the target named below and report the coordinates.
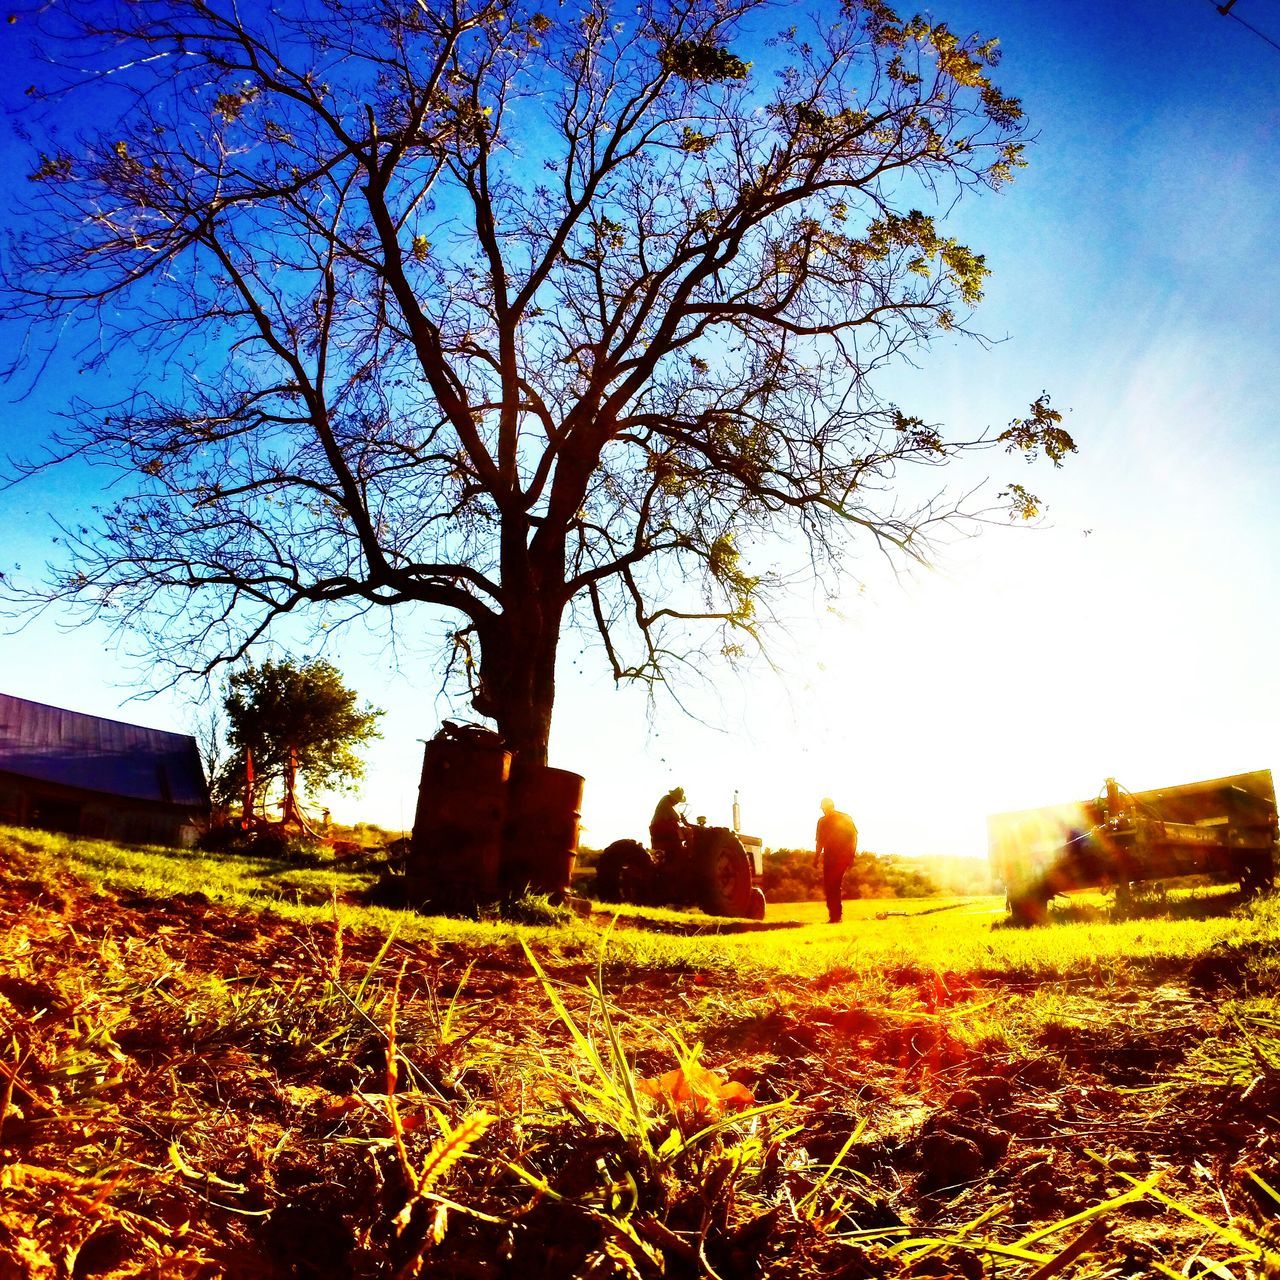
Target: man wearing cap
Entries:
(835, 844)
(667, 826)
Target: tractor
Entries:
(712, 870)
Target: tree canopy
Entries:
(296, 719)
(531, 318)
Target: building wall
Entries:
(48, 807)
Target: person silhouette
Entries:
(835, 844)
(668, 825)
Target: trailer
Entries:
(1223, 828)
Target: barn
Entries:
(86, 775)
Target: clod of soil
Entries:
(949, 1161)
(994, 1092)
(991, 1141)
(961, 1264)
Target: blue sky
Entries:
(1133, 633)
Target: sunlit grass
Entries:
(904, 937)
(498, 1076)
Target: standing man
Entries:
(835, 844)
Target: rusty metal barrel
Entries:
(456, 857)
(544, 811)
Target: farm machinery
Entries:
(1223, 828)
(715, 869)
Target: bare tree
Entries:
(533, 319)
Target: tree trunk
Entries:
(518, 682)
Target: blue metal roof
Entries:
(48, 744)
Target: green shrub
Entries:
(261, 842)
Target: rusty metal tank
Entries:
(455, 861)
(544, 811)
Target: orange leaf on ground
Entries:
(692, 1091)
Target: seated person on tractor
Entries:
(668, 826)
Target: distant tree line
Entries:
(790, 876)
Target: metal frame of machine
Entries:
(1224, 828)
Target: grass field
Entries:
(221, 1066)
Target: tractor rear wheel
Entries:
(726, 875)
(624, 873)
(755, 909)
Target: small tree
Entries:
(295, 720)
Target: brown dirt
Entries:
(184, 1096)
